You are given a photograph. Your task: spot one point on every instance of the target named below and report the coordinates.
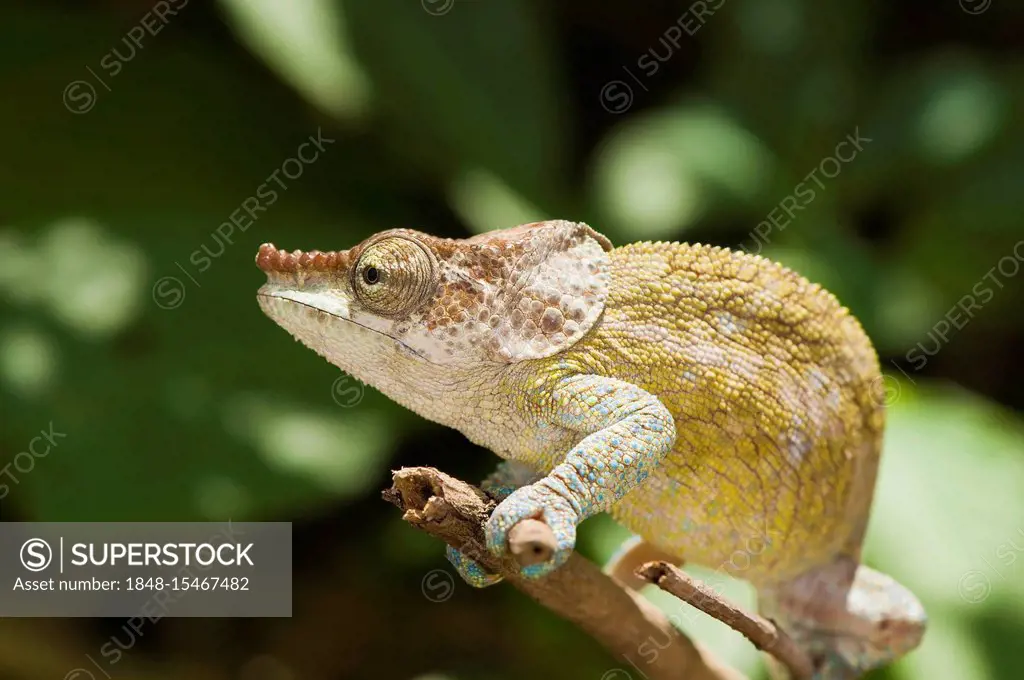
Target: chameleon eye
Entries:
(394, 276)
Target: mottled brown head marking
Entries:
(505, 296)
(525, 292)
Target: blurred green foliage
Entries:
(180, 401)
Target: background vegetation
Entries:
(180, 401)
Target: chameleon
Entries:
(717, 404)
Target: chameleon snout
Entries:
(273, 260)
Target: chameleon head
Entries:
(403, 297)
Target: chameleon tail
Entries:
(848, 617)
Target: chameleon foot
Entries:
(535, 502)
(470, 571)
(499, 485)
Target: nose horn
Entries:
(270, 259)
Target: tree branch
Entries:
(623, 621)
(765, 635)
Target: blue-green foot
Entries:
(470, 571)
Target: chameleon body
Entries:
(720, 406)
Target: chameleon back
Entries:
(773, 386)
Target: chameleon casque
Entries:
(710, 400)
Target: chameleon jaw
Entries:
(306, 314)
(271, 296)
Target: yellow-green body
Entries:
(773, 388)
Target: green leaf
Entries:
(306, 42)
(662, 172)
(948, 520)
(470, 87)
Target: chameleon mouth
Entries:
(275, 303)
(275, 261)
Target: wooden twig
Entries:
(629, 626)
(765, 635)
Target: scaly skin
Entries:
(772, 388)
(719, 405)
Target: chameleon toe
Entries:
(534, 502)
(470, 571)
